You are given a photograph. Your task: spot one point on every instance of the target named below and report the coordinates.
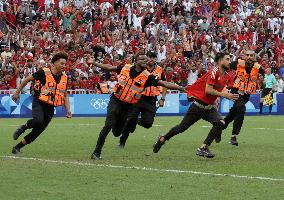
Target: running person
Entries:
(245, 84)
(50, 90)
(204, 93)
(146, 106)
(132, 80)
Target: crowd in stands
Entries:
(185, 34)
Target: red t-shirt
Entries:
(44, 25)
(212, 77)
(169, 76)
(183, 75)
(12, 82)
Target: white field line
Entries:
(155, 125)
(143, 168)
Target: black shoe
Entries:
(234, 141)
(16, 151)
(158, 144)
(205, 152)
(19, 132)
(218, 138)
(95, 156)
(121, 146)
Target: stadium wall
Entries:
(91, 105)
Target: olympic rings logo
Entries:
(99, 103)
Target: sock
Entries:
(20, 145)
(26, 126)
(261, 105)
(270, 109)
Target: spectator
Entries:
(279, 86)
(111, 30)
(111, 83)
(193, 74)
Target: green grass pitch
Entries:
(259, 154)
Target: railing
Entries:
(83, 91)
(11, 91)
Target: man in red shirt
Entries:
(204, 93)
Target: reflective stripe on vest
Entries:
(53, 93)
(154, 91)
(127, 89)
(246, 83)
(104, 88)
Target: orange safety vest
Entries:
(52, 93)
(127, 89)
(104, 88)
(154, 91)
(245, 82)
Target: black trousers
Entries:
(237, 114)
(42, 115)
(115, 120)
(193, 115)
(147, 109)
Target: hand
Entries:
(230, 96)
(69, 114)
(16, 97)
(161, 103)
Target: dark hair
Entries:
(136, 56)
(58, 56)
(151, 54)
(219, 56)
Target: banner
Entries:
(90, 105)
(252, 106)
(171, 105)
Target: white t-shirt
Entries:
(111, 85)
(192, 77)
(108, 49)
(1, 6)
(279, 86)
(27, 88)
(79, 3)
(48, 2)
(137, 21)
(85, 74)
(161, 55)
(272, 22)
(187, 5)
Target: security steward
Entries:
(147, 104)
(132, 80)
(50, 90)
(245, 84)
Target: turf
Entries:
(260, 153)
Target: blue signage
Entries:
(96, 105)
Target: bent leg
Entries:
(193, 115)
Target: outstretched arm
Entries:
(211, 91)
(103, 66)
(171, 86)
